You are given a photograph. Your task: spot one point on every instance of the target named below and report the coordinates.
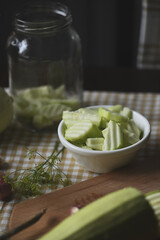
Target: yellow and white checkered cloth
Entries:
(15, 138)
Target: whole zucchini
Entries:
(124, 214)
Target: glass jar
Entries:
(45, 64)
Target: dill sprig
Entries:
(31, 182)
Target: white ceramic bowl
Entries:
(105, 161)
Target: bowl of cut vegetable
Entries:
(102, 138)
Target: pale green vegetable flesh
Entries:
(123, 214)
(126, 112)
(95, 143)
(43, 106)
(113, 138)
(82, 129)
(109, 115)
(82, 115)
(154, 199)
(115, 108)
(6, 110)
(116, 126)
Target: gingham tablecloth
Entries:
(15, 138)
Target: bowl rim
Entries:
(83, 151)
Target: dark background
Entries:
(109, 32)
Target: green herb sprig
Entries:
(31, 182)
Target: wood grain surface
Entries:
(145, 176)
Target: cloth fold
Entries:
(148, 55)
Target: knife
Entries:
(23, 225)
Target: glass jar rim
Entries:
(43, 17)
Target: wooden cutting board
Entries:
(145, 176)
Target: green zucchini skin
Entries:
(124, 214)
